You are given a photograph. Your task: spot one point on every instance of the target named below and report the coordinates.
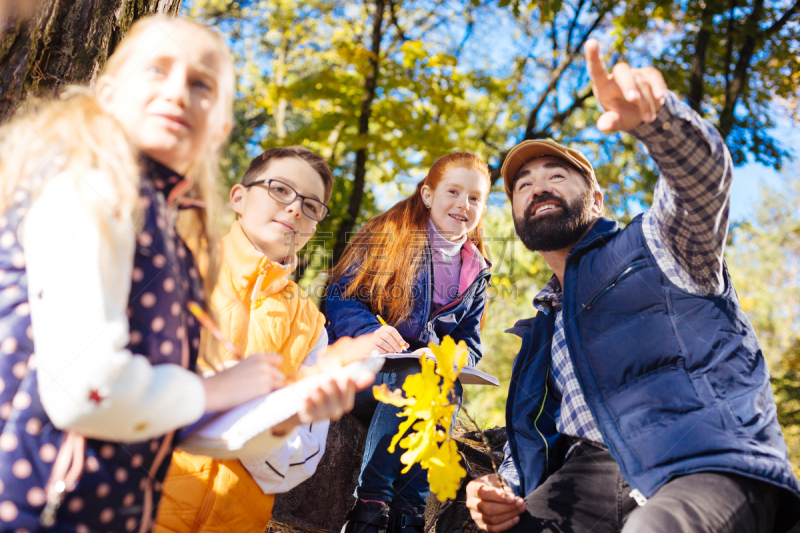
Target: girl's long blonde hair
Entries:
(384, 256)
(70, 134)
(199, 228)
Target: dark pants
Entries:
(381, 477)
(588, 494)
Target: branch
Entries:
(729, 49)
(699, 59)
(574, 22)
(554, 37)
(393, 17)
(739, 81)
(486, 444)
(781, 22)
(559, 118)
(467, 32)
(556, 76)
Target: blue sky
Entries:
(747, 179)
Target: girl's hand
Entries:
(387, 340)
(331, 397)
(424, 351)
(246, 380)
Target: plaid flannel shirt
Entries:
(685, 229)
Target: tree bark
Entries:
(321, 503)
(738, 84)
(64, 42)
(371, 82)
(699, 60)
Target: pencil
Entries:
(405, 345)
(212, 328)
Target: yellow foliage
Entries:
(428, 412)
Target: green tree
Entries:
(731, 59)
(517, 275)
(764, 262)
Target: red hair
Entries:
(386, 254)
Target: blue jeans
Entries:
(380, 477)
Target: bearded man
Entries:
(640, 400)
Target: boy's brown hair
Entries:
(261, 163)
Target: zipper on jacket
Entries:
(208, 499)
(629, 270)
(460, 298)
(536, 421)
(571, 349)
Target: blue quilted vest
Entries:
(116, 477)
(677, 383)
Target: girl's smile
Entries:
(458, 202)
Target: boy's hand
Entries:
(248, 379)
(331, 396)
(493, 508)
(629, 96)
(387, 340)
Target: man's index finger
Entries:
(594, 62)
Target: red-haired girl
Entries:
(421, 267)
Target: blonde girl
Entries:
(98, 349)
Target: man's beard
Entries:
(555, 232)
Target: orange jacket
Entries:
(259, 310)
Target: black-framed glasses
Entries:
(283, 193)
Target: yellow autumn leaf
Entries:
(445, 471)
(428, 411)
(383, 394)
(451, 359)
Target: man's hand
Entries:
(629, 96)
(492, 508)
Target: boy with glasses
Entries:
(279, 202)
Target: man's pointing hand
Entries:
(629, 96)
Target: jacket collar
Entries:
(602, 230)
(163, 178)
(249, 270)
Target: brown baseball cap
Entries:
(531, 149)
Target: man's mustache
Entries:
(539, 200)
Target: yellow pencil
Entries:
(405, 345)
(208, 323)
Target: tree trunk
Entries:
(696, 90)
(357, 194)
(319, 504)
(64, 42)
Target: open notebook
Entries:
(468, 376)
(245, 430)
